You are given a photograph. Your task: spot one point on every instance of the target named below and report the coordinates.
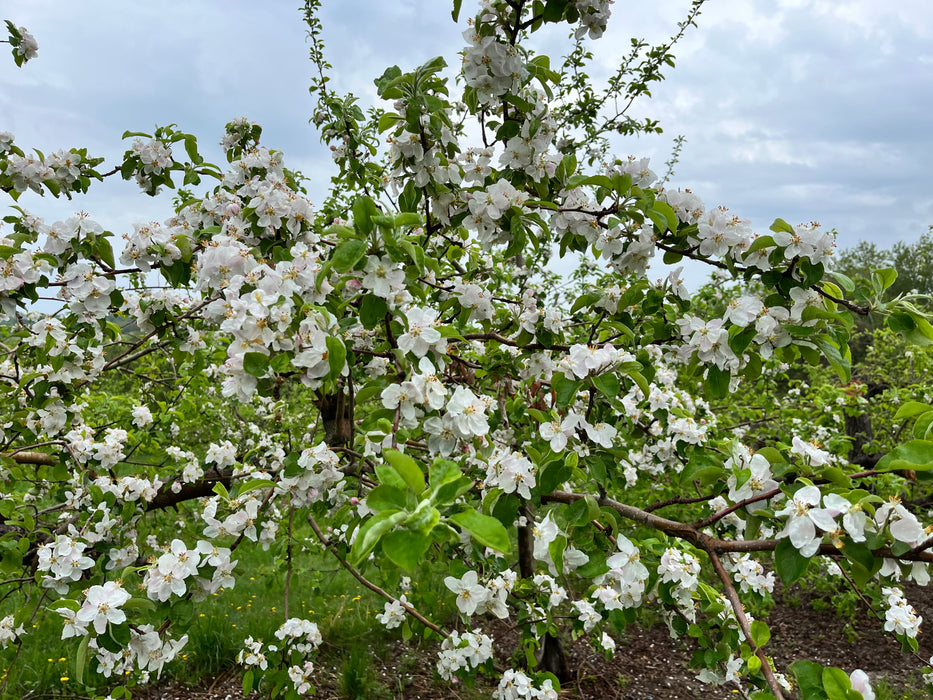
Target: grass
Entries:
(912, 689)
(341, 607)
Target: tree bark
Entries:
(551, 657)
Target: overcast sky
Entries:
(799, 109)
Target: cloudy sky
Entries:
(800, 109)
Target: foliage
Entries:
(400, 379)
(913, 262)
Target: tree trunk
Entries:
(551, 657)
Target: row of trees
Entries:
(414, 381)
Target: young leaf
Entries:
(348, 254)
(407, 468)
(336, 355)
(405, 548)
(255, 363)
(790, 564)
(485, 529)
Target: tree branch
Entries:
(369, 584)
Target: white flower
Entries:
(470, 594)
(545, 532)
(900, 617)
(422, 332)
(381, 276)
(468, 412)
(903, 524)
(142, 416)
(102, 605)
(759, 481)
(394, 613)
(803, 519)
(811, 452)
(8, 632)
(854, 519)
(862, 684)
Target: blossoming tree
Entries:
(420, 382)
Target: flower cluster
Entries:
(682, 569)
(463, 651)
(65, 560)
(9, 632)
(516, 685)
(474, 598)
(491, 66)
(900, 617)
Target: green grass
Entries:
(321, 591)
(912, 689)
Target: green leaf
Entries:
(552, 476)
(556, 551)
(405, 548)
(385, 497)
(247, 682)
(608, 384)
(105, 251)
(790, 564)
(387, 475)
(922, 426)
(255, 363)
(809, 677)
(566, 389)
(485, 529)
(371, 532)
(348, 254)
(407, 468)
(416, 253)
(841, 364)
(703, 467)
(585, 300)
(883, 279)
(372, 310)
(901, 322)
(781, 225)
(916, 455)
(254, 484)
(364, 209)
(424, 517)
(443, 471)
(836, 683)
(911, 409)
(859, 553)
(639, 380)
(761, 242)
(718, 381)
(81, 659)
(670, 217)
(336, 355)
(844, 281)
(388, 120)
(191, 148)
(450, 491)
(761, 634)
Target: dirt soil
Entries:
(648, 664)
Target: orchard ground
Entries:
(648, 664)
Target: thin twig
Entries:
(369, 584)
(739, 611)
